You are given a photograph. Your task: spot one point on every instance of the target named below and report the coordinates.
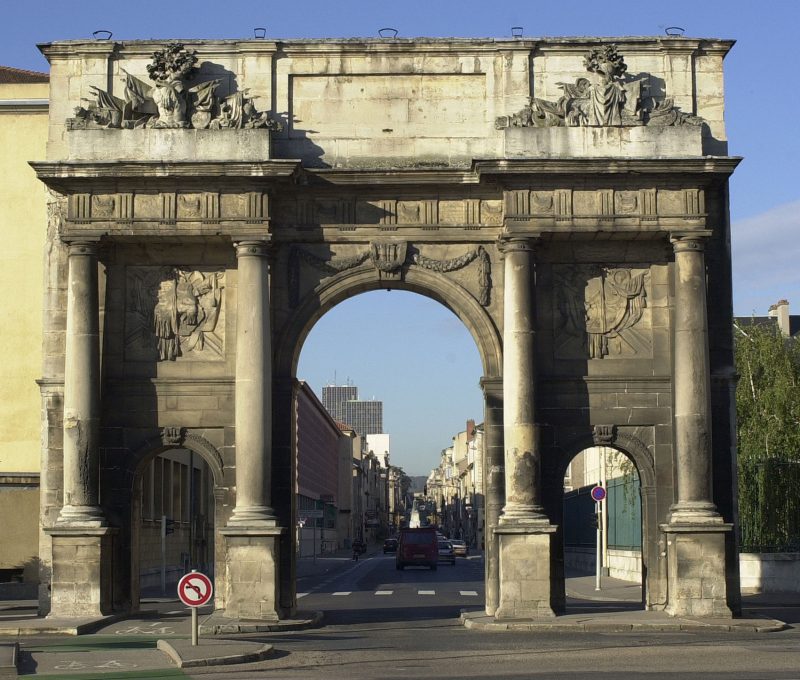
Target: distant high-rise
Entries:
(365, 417)
(342, 402)
(334, 395)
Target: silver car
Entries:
(446, 553)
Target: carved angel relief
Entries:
(601, 312)
(170, 102)
(173, 312)
(609, 100)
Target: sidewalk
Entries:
(617, 607)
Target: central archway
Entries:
(291, 337)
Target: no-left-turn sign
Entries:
(195, 589)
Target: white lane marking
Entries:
(426, 592)
(342, 592)
(468, 592)
(384, 592)
(299, 595)
(177, 611)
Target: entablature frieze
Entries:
(250, 199)
(167, 213)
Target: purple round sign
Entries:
(598, 493)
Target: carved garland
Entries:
(444, 266)
(331, 267)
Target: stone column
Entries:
(695, 532)
(692, 385)
(81, 541)
(252, 534)
(522, 454)
(81, 390)
(253, 389)
(493, 484)
(524, 532)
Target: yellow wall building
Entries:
(23, 225)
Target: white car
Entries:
(459, 547)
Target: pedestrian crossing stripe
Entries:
(342, 592)
(426, 592)
(384, 592)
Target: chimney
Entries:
(780, 312)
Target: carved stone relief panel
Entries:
(602, 311)
(174, 313)
(390, 258)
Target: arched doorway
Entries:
(174, 514)
(335, 290)
(602, 540)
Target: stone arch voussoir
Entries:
(629, 445)
(345, 285)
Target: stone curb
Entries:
(480, 621)
(220, 625)
(44, 626)
(217, 653)
(8, 659)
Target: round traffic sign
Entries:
(598, 493)
(195, 589)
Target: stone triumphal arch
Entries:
(566, 198)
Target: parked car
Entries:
(446, 553)
(390, 546)
(359, 546)
(417, 548)
(459, 547)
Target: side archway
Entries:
(640, 455)
(173, 439)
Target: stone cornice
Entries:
(211, 48)
(397, 176)
(62, 174)
(707, 165)
(207, 49)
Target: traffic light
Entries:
(169, 527)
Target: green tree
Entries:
(768, 429)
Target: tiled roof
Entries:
(9, 75)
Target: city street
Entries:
(384, 623)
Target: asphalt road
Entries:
(388, 624)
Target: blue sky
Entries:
(430, 393)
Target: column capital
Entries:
(688, 241)
(85, 248)
(492, 385)
(253, 248)
(512, 243)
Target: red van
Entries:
(417, 548)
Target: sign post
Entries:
(598, 495)
(195, 590)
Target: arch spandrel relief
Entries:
(174, 314)
(602, 312)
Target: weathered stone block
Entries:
(251, 573)
(169, 145)
(525, 572)
(594, 142)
